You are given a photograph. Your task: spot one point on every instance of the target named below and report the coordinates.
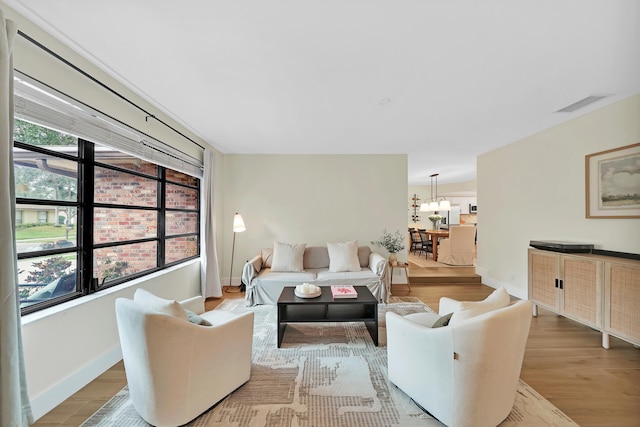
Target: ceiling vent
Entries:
(581, 104)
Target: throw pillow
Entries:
(267, 257)
(442, 321)
(194, 318)
(423, 318)
(498, 299)
(343, 256)
(287, 257)
(155, 303)
(430, 320)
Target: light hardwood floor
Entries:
(563, 361)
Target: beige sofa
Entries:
(263, 286)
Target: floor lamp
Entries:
(238, 227)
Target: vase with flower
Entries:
(435, 218)
(393, 243)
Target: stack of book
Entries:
(343, 291)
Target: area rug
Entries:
(324, 374)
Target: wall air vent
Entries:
(581, 104)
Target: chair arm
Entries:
(228, 329)
(222, 353)
(251, 269)
(420, 359)
(448, 305)
(227, 343)
(378, 264)
(195, 304)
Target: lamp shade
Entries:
(424, 207)
(433, 206)
(445, 205)
(238, 223)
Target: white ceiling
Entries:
(442, 81)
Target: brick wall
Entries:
(113, 224)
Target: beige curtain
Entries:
(15, 409)
(209, 272)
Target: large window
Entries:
(89, 216)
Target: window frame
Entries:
(86, 284)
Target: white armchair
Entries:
(459, 248)
(177, 369)
(466, 373)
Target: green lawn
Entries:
(44, 232)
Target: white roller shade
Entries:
(46, 107)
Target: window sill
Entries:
(28, 319)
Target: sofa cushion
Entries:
(316, 257)
(267, 257)
(343, 256)
(269, 275)
(468, 309)
(287, 256)
(365, 273)
(363, 255)
(194, 318)
(430, 320)
(153, 302)
(424, 319)
(442, 321)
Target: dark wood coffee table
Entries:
(292, 309)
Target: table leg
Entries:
(372, 326)
(434, 247)
(282, 325)
(406, 272)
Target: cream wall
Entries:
(312, 199)
(534, 189)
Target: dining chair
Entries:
(416, 243)
(425, 243)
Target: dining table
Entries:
(435, 235)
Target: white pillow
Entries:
(287, 256)
(343, 256)
(155, 303)
(467, 309)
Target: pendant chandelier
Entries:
(434, 205)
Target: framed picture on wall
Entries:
(613, 183)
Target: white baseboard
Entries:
(58, 393)
(511, 289)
